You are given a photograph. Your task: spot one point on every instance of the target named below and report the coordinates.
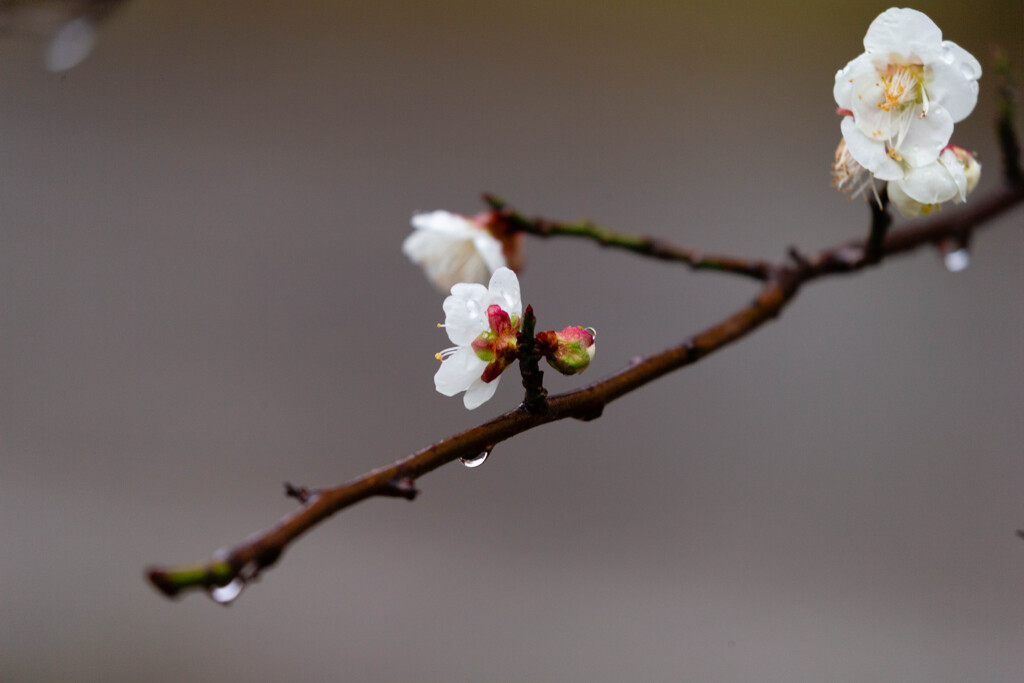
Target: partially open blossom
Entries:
(952, 176)
(901, 97)
(483, 323)
(569, 351)
(452, 248)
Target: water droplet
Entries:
(956, 260)
(72, 43)
(947, 54)
(969, 72)
(225, 595)
(477, 459)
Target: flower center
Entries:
(899, 88)
(498, 346)
(902, 90)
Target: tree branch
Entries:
(515, 222)
(243, 562)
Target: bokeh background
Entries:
(202, 296)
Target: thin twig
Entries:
(781, 284)
(514, 222)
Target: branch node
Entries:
(493, 201)
(798, 258)
(401, 487)
(299, 493)
(163, 583)
(591, 413)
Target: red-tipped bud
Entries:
(569, 351)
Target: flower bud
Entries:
(972, 169)
(569, 351)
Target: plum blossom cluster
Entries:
(484, 324)
(899, 101)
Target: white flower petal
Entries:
(873, 121)
(907, 206)
(490, 251)
(465, 312)
(504, 291)
(869, 153)
(444, 222)
(458, 371)
(927, 137)
(957, 172)
(905, 32)
(931, 184)
(843, 88)
(954, 84)
(479, 393)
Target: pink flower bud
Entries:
(569, 351)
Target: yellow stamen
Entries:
(898, 87)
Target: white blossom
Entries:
(902, 96)
(483, 323)
(923, 190)
(452, 248)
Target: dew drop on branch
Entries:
(225, 595)
(956, 260)
(478, 459)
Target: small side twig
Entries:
(645, 246)
(401, 487)
(299, 493)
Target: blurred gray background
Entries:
(202, 296)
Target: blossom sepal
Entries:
(569, 351)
